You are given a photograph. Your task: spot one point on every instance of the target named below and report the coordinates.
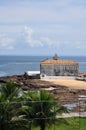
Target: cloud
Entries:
(32, 39)
(6, 42)
(46, 40)
(29, 38)
(53, 24)
(44, 11)
(81, 45)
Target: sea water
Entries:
(16, 65)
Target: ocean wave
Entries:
(18, 63)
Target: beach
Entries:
(68, 82)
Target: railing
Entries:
(15, 115)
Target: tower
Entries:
(55, 57)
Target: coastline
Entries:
(66, 94)
(67, 82)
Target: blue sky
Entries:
(42, 27)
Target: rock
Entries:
(27, 83)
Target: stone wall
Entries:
(59, 69)
(47, 70)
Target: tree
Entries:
(44, 109)
(20, 111)
(9, 105)
(27, 107)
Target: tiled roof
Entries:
(82, 75)
(58, 62)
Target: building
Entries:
(58, 67)
(32, 73)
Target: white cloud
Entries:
(6, 42)
(80, 45)
(28, 35)
(46, 40)
(56, 24)
(45, 11)
(30, 38)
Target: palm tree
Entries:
(19, 110)
(9, 105)
(27, 107)
(42, 108)
(45, 109)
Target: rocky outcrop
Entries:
(27, 83)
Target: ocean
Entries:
(17, 65)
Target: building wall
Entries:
(59, 69)
(47, 70)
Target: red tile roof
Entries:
(82, 75)
(58, 62)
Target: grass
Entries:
(71, 124)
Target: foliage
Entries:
(9, 106)
(43, 108)
(19, 110)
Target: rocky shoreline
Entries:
(66, 95)
(34, 83)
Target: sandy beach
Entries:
(70, 83)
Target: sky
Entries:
(43, 27)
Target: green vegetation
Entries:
(73, 125)
(33, 110)
(9, 96)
